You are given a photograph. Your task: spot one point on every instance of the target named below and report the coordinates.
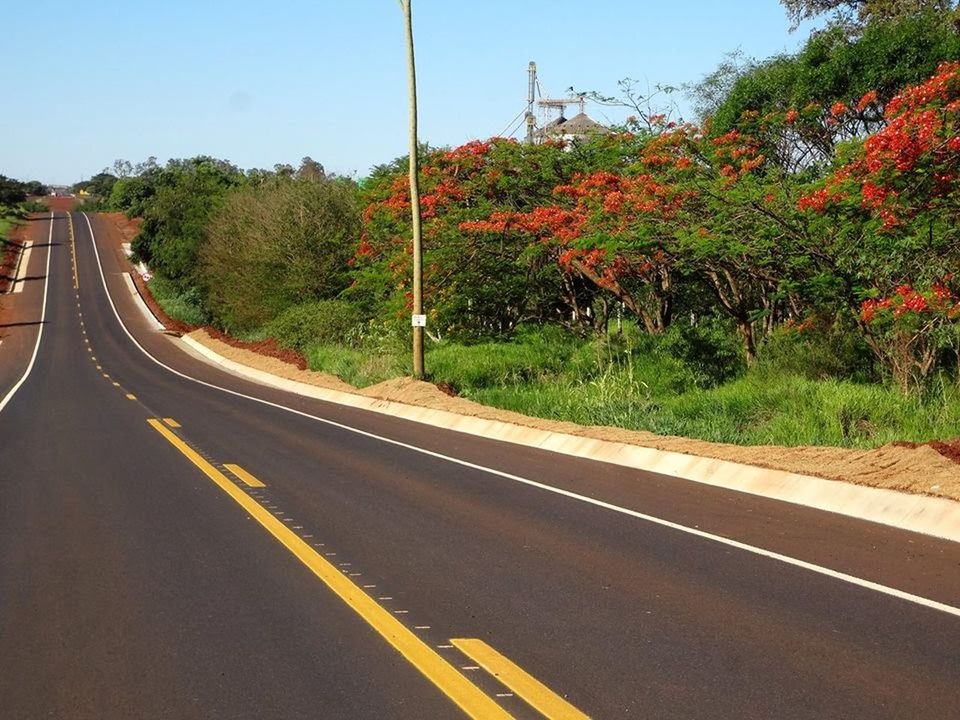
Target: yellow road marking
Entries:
(454, 685)
(243, 475)
(534, 692)
(131, 396)
(73, 256)
(171, 422)
(116, 384)
(106, 376)
(99, 368)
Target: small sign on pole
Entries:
(418, 320)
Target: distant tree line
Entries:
(13, 192)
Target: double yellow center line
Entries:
(473, 701)
(73, 253)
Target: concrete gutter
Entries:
(139, 302)
(939, 517)
(23, 261)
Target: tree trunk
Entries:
(745, 328)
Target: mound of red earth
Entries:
(948, 448)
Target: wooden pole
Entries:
(418, 328)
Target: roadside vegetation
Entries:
(781, 271)
(17, 200)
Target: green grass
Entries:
(6, 223)
(607, 383)
(754, 410)
(360, 368)
(182, 306)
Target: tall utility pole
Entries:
(418, 320)
(531, 97)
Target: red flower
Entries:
(868, 99)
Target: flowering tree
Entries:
(677, 204)
(910, 329)
(898, 191)
(661, 220)
(478, 284)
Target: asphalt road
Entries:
(140, 576)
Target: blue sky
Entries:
(259, 83)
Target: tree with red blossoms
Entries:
(889, 213)
(479, 284)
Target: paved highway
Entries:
(178, 542)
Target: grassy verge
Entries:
(597, 383)
(360, 368)
(754, 410)
(181, 306)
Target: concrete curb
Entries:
(23, 262)
(141, 304)
(918, 513)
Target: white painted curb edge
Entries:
(138, 300)
(939, 517)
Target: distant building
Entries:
(580, 127)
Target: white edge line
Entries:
(43, 319)
(812, 567)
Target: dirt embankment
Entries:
(923, 469)
(10, 254)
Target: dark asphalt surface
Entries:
(131, 586)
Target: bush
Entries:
(711, 350)
(34, 206)
(182, 305)
(272, 247)
(817, 353)
(323, 322)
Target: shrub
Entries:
(34, 206)
(322, 322)
(711, 350)
(183, 305)
(817, 353)
(272, 247)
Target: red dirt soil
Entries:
(10, 255)
(948, 448)
(267, 347)
(60, 204)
